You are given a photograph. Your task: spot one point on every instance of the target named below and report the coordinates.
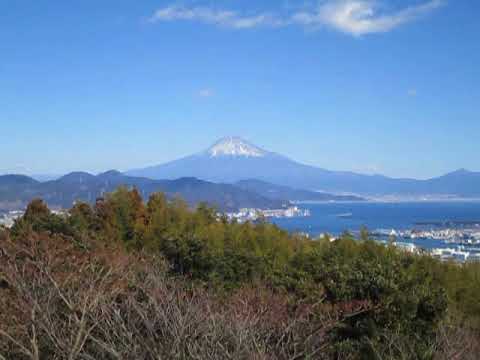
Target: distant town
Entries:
(250, 214)
(8, 219)
(454, 243)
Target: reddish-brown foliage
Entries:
(63, 300)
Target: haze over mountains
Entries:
(233, 174)
(17, 190)
(278, 192)
(233, 159)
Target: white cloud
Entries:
(224, 18)
(412, 92)
(360, 17)
(354, 17)
(205, 93)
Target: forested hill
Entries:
(128, 279)
(18, 190)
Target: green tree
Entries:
(364, 233)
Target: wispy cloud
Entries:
(412, 92)
(354, 17)
(226, 18)
(205, 93)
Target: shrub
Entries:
(124, 279)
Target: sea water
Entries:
(335, 218)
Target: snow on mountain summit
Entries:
(235, 146)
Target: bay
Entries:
(335, 218)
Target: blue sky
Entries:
(386, 86)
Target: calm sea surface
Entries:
(379, 215)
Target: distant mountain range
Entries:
(233, 159)
(17, 190)
(278, 192)
(234, 174)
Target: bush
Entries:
(124, 279)
(62, 301)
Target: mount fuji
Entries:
(233, 159)
(235, 146)
(228, 160)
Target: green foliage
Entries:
(405, 299)
(364, 234)
(39, 218)
(408, 296)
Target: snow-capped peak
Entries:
(235, 146)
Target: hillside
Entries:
(81, 186)
(276, 192)
(168, 282)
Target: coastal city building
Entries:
(251, 214)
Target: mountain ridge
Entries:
(274, 191)
(82, 186)
(279, 169)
